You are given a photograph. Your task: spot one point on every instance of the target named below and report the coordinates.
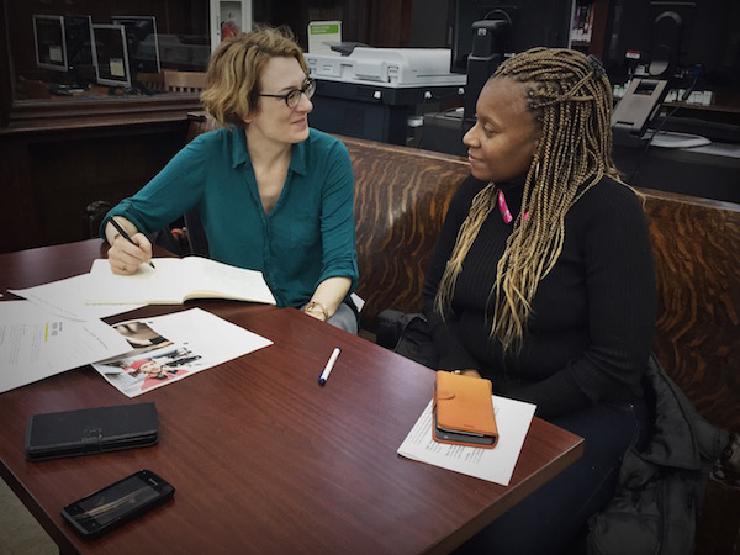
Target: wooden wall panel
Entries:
(20, 222)
(50, 178)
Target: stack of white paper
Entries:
(35, 344)
(494, 465)
(67, 298)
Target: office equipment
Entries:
(636, 109)
(661, 39)
(64, 45)
(117, 503)
(142, 42)
(514, 419)
(530, 23)
(175, 280)
(91, 430)
(51, 48)
(324, 376)
(373, 92)
(35, 344)
(484, 32)
(716, 131)
(270, 447)
(394, 68)
(126, 236)
(78, 40)
(110, 52)
(670, 27)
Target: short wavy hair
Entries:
(235, 71)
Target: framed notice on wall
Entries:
(229, 18)
(322, 34)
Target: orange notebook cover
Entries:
(463, 412)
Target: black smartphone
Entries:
(114, 504)
(458, 435)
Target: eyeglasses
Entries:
(292, 98)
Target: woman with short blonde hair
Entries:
(233, 78)
(274, 195)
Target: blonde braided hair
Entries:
(571, 99)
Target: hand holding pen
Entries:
(127, 254)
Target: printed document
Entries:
(494, 465)
(174, 281)
(169, 348)
(67, 298)
(35, 343)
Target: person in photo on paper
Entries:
(274, 195)
(143, 366)
(141, 336)
(542, 281)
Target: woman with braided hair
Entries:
(543, 282)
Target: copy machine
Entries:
(372, 92)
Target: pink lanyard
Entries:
(504, 209)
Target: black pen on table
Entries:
(125, 235)
(324, 376)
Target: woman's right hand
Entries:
(125, 257)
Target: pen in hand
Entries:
(324, 376)
(125, 235)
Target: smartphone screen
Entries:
(117, 503)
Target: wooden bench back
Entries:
(402, 196)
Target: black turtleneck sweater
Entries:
(588, 339)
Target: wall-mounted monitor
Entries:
(111, 55)
(142, 40)
(670, 26)
(49, 37)
(78, 39)
(531, 23)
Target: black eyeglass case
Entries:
(86, 431)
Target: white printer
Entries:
(387, 67)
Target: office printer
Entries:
(387, 67)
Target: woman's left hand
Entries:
(315, 310)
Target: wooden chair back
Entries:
(184, 82)
(152, 81)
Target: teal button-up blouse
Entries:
(307, 237)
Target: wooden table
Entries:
(262, 458)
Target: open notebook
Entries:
(174, 281)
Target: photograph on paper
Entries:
(169, 348)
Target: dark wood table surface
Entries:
(263, 459)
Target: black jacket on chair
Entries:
(661, 488)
